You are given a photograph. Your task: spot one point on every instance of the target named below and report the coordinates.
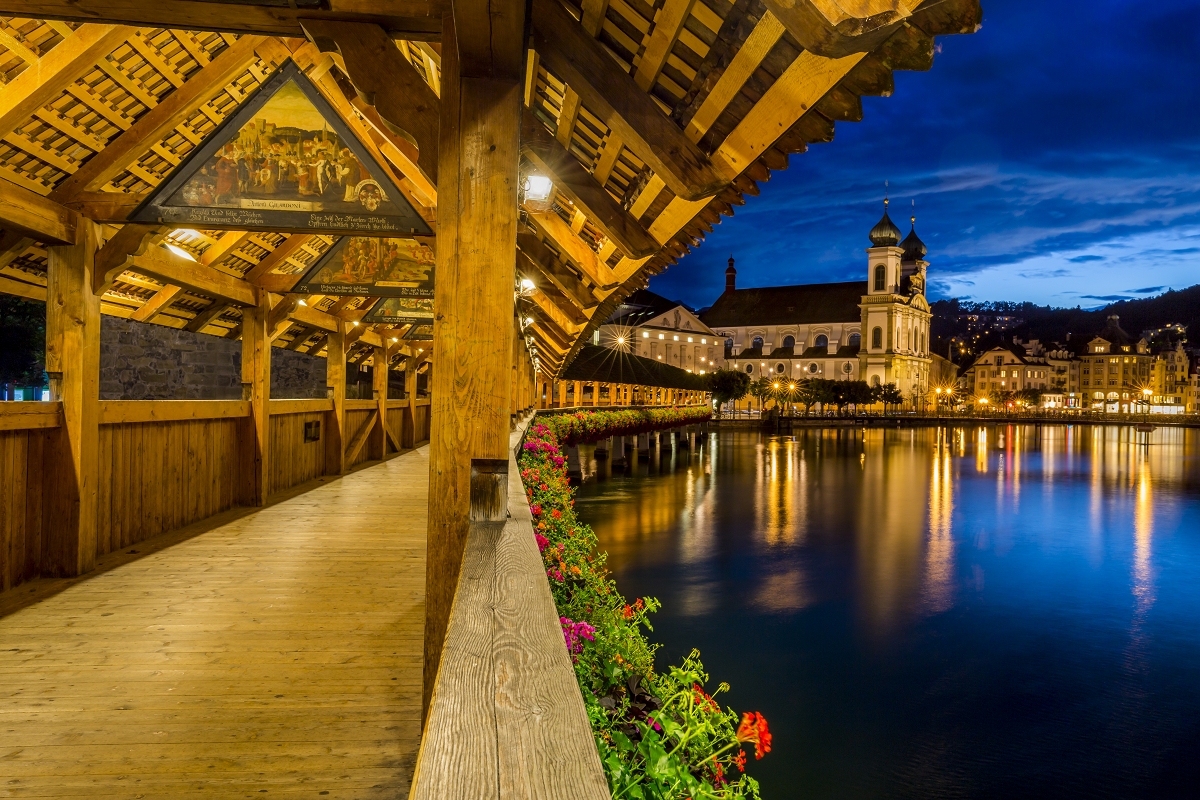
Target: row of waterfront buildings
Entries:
(878, 331)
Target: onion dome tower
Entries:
(885, 233)
(914, 248)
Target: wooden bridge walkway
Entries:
(277, 654)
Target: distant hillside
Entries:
(1054, 324)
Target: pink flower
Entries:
(536, 510)
(542, 542)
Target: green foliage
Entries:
(23, 332)
(1029, 396)
(659, 734)
(889, 395)
(728, 385)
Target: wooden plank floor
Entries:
(276, 655)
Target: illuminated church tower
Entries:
(895, 313)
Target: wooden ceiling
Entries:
(653, 121)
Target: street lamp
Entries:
(983, 403)
(939, 401)
(1146, 393)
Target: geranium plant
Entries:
(661, 735)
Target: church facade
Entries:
(875, 330)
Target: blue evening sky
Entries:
(1054, 156)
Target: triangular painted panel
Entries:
(363, 265)
(420, 333)
(401, 311)
(284, 161)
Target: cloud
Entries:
(1148, 290)
(1108, 298)
(1085, 259)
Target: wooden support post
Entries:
(378, 440)
(478, 159)
(578, 399)
(335, 420)
(256, 387)
(408, 438)
(73, 364)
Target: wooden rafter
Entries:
(403, 19)
(28, 214)
(632, 115)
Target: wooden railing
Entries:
(507, 719)
(165, 464)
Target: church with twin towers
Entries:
(874, 329)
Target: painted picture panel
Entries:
(420, 333)
(371, 266)
(403, 310)
(283, 161)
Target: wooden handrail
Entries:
(276, 407)
(23, 415)
(114, 412)
(507, 719)
(361, 405)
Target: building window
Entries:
(880, 277)
(877, 338)
(789, 341)
(749, 369)
(855, 340)
(757, 343)
(813, 368)
(729, 342)
(779, 368)
(822, 341)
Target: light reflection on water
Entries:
(955, 612)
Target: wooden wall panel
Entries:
(292, 461)
(22, 454)
(159, 476)
(421, 415)
(355, 419)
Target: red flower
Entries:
(740, 761)
(718, 773)
(627, 612)
(754, 729)
(556, 514)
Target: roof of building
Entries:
(783, 305)
(641, 306)
(604, 365)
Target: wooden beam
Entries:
(279, 255)
(667, 25)
(299, 338)
(402, 19)
(109, 207)
(479, 158)
(762, 38)
(27, 213)
(335, 420)
(158, 121)
(631, 113)
(385, 80)
(576, 251)
(585, 192)
(161, 299)
(378, 437)
(73, 366)
(163, 265)
(207, 316)
(227, 243)
(30, 291)
(835, 28)
(39, 84)
(256, 387)
(130, 240)
(534, 254)
(567, 307)
(360, 438)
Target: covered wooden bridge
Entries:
(254, 594)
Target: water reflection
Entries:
(933, 613)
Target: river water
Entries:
(977, 612)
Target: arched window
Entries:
(779, 368)
(880, 278)
(789, 341)
(757, 343)
(922, 351)
(855, 340)
(822, 341)
(875, 378)
(877, 338)
(729, 343)
(749, 369)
